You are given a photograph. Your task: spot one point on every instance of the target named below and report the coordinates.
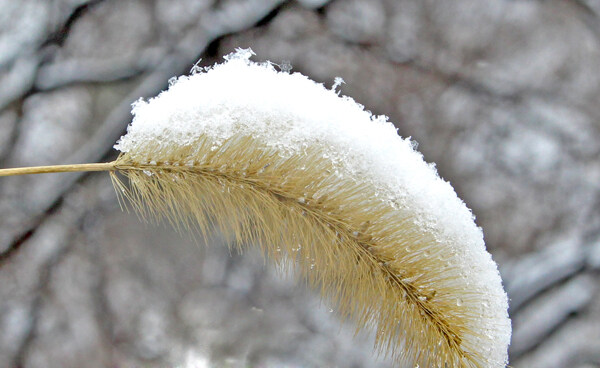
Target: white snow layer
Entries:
(292, 112)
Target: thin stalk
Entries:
(108, 166)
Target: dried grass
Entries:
(365, 255)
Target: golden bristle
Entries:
(367, 256)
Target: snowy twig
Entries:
(534, 273)
(547, 312)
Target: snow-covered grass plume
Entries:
(278, 161)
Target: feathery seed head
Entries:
(276, 160)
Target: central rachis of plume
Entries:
(277, 161)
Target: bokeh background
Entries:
(503, 95)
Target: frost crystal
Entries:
(336, 83)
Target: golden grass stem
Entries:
(108, 166)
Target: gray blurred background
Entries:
(504, 95)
